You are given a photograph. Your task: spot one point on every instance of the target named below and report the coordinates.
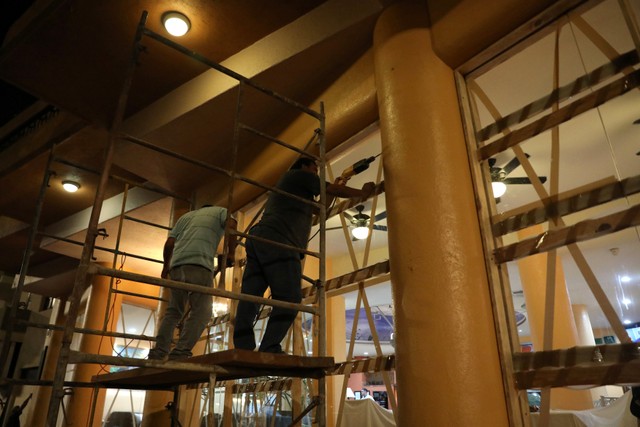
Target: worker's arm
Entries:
(167, 253)
(339, 190)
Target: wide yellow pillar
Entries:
(78, 411)
(336, 348)
(448, 369)
(533, 276)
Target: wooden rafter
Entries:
(564, 114)
(351, 278)
(591, 365)
(579, 85)
(569, 205)
(584, 230)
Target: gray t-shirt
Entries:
(289, 217)
(197, 235)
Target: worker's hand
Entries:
(368, 189)
(341, 181)
(165, 273)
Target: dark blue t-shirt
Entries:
(289, 217)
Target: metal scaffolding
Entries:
(87, 269)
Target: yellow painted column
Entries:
(78, 409)
(336, 348)
(586, 337)
(447, 362)
(583, 325)
(38, 417)
(533, 276)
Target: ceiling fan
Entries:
(499, 179)
(360, 223)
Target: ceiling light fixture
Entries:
(499, 188)
(360, 232)
(176, 23)
(70, 186)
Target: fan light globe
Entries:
(499, 188)
(360, 233)
(176, 23)
(70, 186)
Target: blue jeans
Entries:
(279, 269)
(197, 319)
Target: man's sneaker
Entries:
(156, 355)
(178, 356)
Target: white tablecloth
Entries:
(617, 414)
(366, 413)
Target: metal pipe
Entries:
(96, 269)
(277, 141)
(280, 245)
(87, 331)
(82, 275)
(141, 221)
(13, 311)
(322, 323)
(213, 168)
(230, 73)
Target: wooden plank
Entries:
(593, 100)
(228, 364)
(608, 374)
(352, 277)
(584, 200)
(369, 365)
(588, 365)
(135, 277)
(577, 86)
(579, 232)
(574, 356)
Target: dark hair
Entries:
(302, 161)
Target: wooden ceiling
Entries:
(73, 55)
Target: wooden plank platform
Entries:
(228, 365)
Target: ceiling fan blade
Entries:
(517, 180)
(381, 215)
(333, 228)
(514, 163)
(380, 227)
(522, 180)
(348, 216)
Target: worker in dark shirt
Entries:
(285, 220)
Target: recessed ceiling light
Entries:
(176, 23)
(626, 301)
(627, 322)
(625, 279)
(70, 186)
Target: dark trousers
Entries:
(271, 267)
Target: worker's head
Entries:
(305, 163)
